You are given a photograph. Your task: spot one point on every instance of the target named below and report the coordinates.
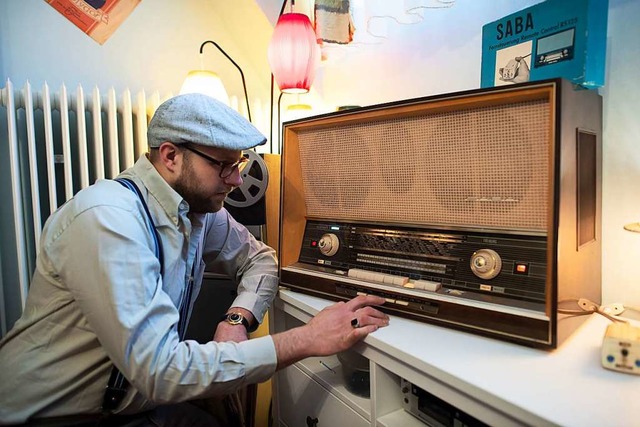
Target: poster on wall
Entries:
(96, 18)
(555, 38)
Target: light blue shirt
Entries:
(97, 297)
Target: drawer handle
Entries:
(312, 422)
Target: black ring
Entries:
(355, 323)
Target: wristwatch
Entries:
(236, 318)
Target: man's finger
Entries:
(370, 311)
(363, 331)
(364, 300)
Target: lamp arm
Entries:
(271, 120)
(279, 123)
(244, 85)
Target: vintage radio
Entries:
(478, 210)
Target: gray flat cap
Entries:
(200, 119)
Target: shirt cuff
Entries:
(260, 357)
(257, 302)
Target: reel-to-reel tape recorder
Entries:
(246, 203)
(477, 210)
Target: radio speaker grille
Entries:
(480, 167)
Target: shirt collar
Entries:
(169, 200)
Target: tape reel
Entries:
(255, 178)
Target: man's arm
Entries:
(230, 249)
(330, 331)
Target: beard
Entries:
(189, 187)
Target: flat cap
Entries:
(201, 119)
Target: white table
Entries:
(498, 382)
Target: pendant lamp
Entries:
(293, 53)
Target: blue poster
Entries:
(555, 38)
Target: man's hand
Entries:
(516, 70)
(523, 72)
(228, 332)
(334, 329)
(236, 333)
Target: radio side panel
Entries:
(579, 202)
(292, 207)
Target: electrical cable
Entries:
(415, 11)
(588, 307)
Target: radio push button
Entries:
(388, 279)
(426, 285)
(372, 276)
(400, 280)
(356, 273)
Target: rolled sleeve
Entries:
(232, 250)
(255, 294)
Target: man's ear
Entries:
(170, 156)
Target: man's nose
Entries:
(235, 178)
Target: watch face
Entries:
(235, 318)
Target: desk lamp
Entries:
(209, 83)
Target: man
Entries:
(105, 293)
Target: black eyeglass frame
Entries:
(224, 166)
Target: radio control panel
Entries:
(433, 260)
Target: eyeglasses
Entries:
(226, 168)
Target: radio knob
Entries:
(329, 244)
(486, 263)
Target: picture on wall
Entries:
(96, 18)
(551, 39)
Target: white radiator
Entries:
(52, 144)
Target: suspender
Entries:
(118, 384)
(126, 182)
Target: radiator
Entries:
(53, 144)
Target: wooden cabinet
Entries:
(306, 402)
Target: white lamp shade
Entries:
(207, 83)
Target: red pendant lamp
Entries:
(293, 53)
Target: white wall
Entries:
(621, 194)
(153, 49)
(440, 54)
(158, 44)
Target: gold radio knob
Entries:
(486, 263)
(329, 244)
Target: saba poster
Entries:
(555, 38)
